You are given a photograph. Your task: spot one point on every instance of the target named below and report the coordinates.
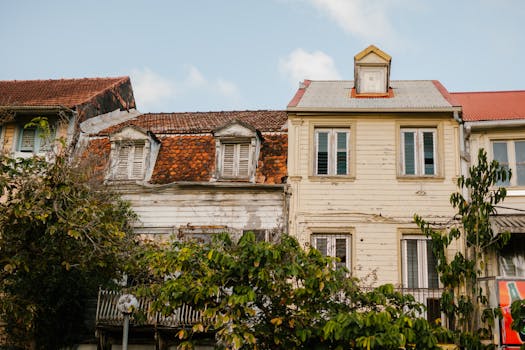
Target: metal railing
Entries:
(108, 314)
(430, 297)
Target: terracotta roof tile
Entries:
(204, 122)
(187, 151)
(491, 105)
(58, 92)
(184, 158)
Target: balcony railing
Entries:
(430, 297)
(109, 315)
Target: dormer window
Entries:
(372, 72)
(236, 159)
(133, 154)
(130, 160)
(237, 147)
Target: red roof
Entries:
(59, 92)
(204, 122)
(491, 105)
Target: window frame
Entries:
(423, 274)
(419, 151)
(363, 85)
(131, 161)
(39, 145)
(237, 143)
(511, 163)
(332, 245)
(332, 150)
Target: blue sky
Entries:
(203, 55)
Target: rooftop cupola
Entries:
(372, 72)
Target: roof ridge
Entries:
(217, 112)
(120, 78)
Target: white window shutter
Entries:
(121, 171)
(244, 160)
(137, 170)
(228, 160)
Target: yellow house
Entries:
(365, 156)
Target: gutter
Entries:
(372, 110)
(487, 124)
(133, 186)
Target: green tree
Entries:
(258, 295)
(464, 301)
(60, 239)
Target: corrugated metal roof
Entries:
(491, 105)
(336, 95)
(511, 223)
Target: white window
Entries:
(511, 155)
(130, 161)
(236, 160)
(332, 151)
(419, 263)
(334, 245)
(372, 80)
(418, 151)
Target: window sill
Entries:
(408, 178)
(518, 191)
(332, 178)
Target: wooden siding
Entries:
(374, 203)
(239, 209)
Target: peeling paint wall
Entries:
(165, 211)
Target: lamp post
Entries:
(126, 304)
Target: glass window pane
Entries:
(519, 147)
(340, 250)
(321, 244)
(412, 264)
(499, 150)
(342, 153)
(428, 153)
(322, 153)
(409, 152)
(433, 280)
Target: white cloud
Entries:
(150, 88)
(366, 19)
(300, 65)
(227, 88)
(154, 92)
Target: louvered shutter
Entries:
(27, 142)
(137, 170)
(123, 162)
(244, 160)
(228, 159)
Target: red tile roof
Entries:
(204, 122)
(299, 94)
(187, 151)
(491, 105)
(59, 92)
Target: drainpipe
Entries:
(464, 157)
